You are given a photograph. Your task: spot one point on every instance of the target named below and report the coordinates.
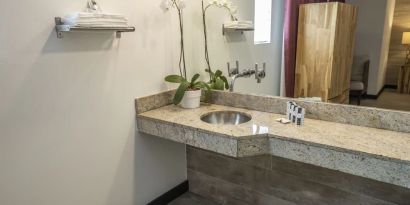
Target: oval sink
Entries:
(226, 118)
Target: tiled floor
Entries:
(191, 199)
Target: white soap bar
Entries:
(283, 120)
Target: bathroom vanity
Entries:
(335, 151)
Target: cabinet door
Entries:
(344, 43)
(325, 46)
(314, 56)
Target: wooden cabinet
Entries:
(326, 38)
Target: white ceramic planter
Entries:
(192, 99)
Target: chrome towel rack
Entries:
(61, 28)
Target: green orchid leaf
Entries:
(214, 85)
(219, 84)
(223, 78)
(180, 92)
(204, 85)
(218, 73)
(195, 78)
(197, 85)
(175, 79)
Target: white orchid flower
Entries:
(218, 3)
(166, 5)
(213, 2)
(234, 10)
(181, 4)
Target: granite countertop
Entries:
(369, 152)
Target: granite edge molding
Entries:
(347, 114)
(356, 163)
(191, 136)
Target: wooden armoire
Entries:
(324, 57)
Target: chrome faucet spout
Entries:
(243, 74)
(232, 84)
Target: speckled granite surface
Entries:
(348, 114)
(151, 102)
(368, 152)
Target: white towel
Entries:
(94, 21)
(101, 25)
(97, 24)
(85, 15)
(239, 24)
(83, 19)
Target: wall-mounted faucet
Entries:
(233, 71)
(234, 74)
(260, 74)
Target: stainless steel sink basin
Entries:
(226, 118)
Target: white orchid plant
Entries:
(233, 10)
(179, 5)
(217, 80)
(168, 4)
(184, 83)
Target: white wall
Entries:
(388, 26)
(373, 37)
(236, 46)
(67, 119)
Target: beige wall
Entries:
(373, 36)
(388, 25)
(397, 54)
(67, 117)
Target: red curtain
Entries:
(290, 40)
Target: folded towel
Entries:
(239, 24)
(97, 24)
(101, 26)
(91, 21)
(240, 27)
(235, 23)
(85, 15)
(82, 19)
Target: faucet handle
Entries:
(260, 73)
(233, 71)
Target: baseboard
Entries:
(375, 97)
(171, 194)
(390, 86)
